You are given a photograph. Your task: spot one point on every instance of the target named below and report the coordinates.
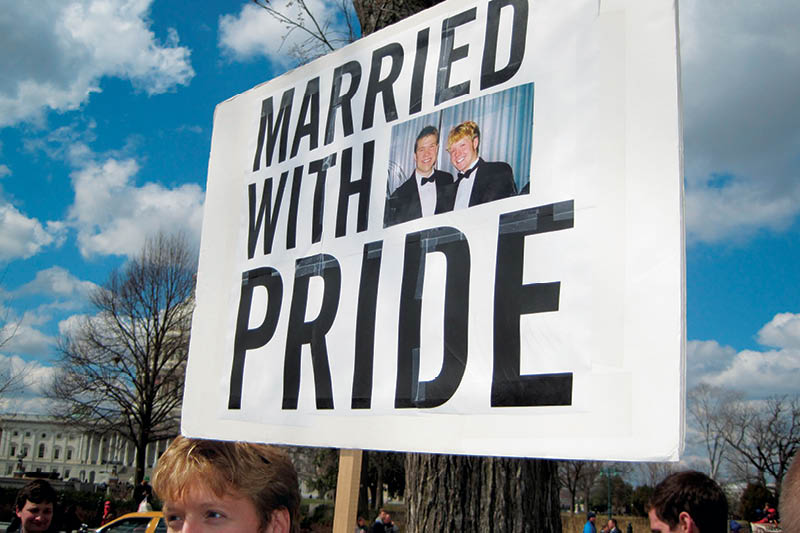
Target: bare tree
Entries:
(11, 379)
(764, 436)
(578, 477)
(655, 472)
(707, 406)
(318, 35)
(7, 328)
(123, 368)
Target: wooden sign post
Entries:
(345, 512)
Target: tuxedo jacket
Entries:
(493, 180)
(404, 205)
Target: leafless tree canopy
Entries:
(123, 368)
(11, 379)
(318, 35)
(764, 437)
(706, 407)
(755, 440)
(578, 477)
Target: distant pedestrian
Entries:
(611, 526)
(589, 527)
(142, 492)
(361, 525)
(108, 513)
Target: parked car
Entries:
(148, 522)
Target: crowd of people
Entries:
(238, 487)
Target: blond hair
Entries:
(263, 474)
(468, 129)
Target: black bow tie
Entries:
(430, 179)
(465, 175)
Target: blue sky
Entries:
(106, 111)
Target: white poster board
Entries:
(540, 314)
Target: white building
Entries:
(39, 443)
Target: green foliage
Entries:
(326, 468)
(621, 493)
(754, 497)
(321, 514)
(640, 498)
(393, 471)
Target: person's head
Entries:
(360, 521)
(591, 517)
(789, 504)
(426, 149)
(227, 486)
(688, 502)
(34, 506)
(387, 518)
(612, 523)
(462, 144)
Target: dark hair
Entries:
(37, 491)
(424, 132)
(613, 520)
(694, 493)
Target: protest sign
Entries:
(528, 302)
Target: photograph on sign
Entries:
(466, 230)
(444, 146)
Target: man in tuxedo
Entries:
(478, 181)
(427, 191)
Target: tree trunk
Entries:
(481, 494)
(376, 14)
(379, 483)
(141, 461)
(363, 488)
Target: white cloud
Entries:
(21, 236)
(4, 171)
(740, 75)
(114, 216)
(756, 373)
(71, 324)
(29, 399)
(255, 33)
(783, 331)
(56, 281)
(55, 54)
(27, 340)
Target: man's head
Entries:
(612, 523)
(462, 143)
(227, 486)
(591, 517)
(688, 502)
(34, 506)
(387, 518)
(360, 521)
(789, 504)
(426, 150)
